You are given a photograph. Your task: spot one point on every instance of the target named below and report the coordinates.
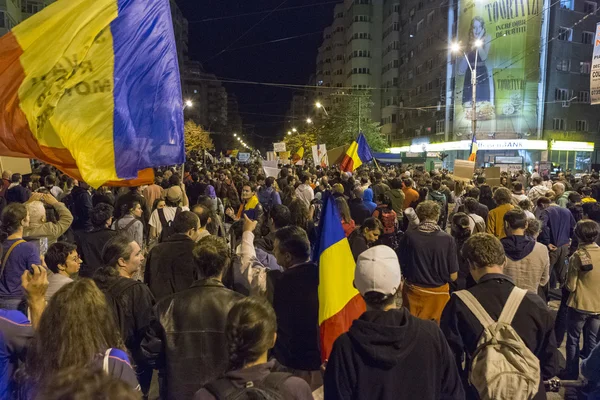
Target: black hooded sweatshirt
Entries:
(518, 247)
(392, 355)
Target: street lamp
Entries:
(294, 130)
(188, 103)
(319, 105)
(473, 68)
(289, 132)
(308, 121)
(235, 135)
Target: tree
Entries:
(196, 138)
(305, 139)
(341, 126)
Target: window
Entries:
(585, 67)
(439, 126)
(563, 65)
(561, 94)
(2, 22)
(589, 7)
(410, 75)
(587, 37)
(566, 4)
(419, 25)
(362, 18)
(394, 118)
(583, 97)
(430, 17)
(30, 7)
(559, 124)
(565, 34)
(581, 125)
(396, 8)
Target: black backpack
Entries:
(267, 389)
(167, 226)
(113, 298)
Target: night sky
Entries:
(290, 61)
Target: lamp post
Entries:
(319, 105)
(188, 104)
(308, 121)
(456, 48)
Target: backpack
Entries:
(439, 198)
(265, 198)
(167, 226)
(267, 389)
(388, 220)
(477, 226)
(502, 367)
(126, 227)
(113, 298)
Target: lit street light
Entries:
(289, 132)
(319, 105)
(308, 121)
(235, 135)
(294, 130)
(456, 49)
(188, 103)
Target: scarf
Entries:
(250, 205)
(429, 227)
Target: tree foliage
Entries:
(306, 138)
(341, 126)
(196, 138)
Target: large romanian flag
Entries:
(339, 302)
(474, 149)
(93, 87)
(357, 154)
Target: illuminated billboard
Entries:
(505, 34)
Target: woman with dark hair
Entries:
(158, 204)
(300, 216)
(344, 210)
(131, 222)
(251, 331)
(76, 331)
(461, 231)
(486, 197)
(583, 313)
(288, 195)
(17, 254)
(365, 236)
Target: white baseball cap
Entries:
(377, 270)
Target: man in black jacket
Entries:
(79, 202)
(170, 267)
(90, 244)
(130, 300)
(388, 353)
(358, 211)
(294, 295)
(533, 322)
(16, 193)
(186, 340)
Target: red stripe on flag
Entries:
(333, 327)
(347, 164)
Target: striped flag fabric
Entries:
(339, 302)
(298, 155)
(474, 148)
(357, 154)
(93, 88)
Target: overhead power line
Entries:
(249, 14)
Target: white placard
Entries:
(279, 147)
(319, 154)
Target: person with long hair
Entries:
(300, 217)
(365, 236)
(347, 222)
(479, 43)
(461, 231)
(486, 197)
(17, 254)
(76, 331)
(131, 221)
(251, 331)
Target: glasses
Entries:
(75, 259)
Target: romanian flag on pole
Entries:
(339, 302)
(298, 156)
(358, 153)
(474, 148)
(92, 87)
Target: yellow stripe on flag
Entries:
(336, 279)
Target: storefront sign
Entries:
(595, 72)
(572, 146)
(517, 144)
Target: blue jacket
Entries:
(557, 226)
(368, 200)
(15, 332)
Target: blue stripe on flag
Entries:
(364, 152)
(330, 226)
(148, 114)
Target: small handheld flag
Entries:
(474, 148)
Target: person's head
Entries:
(502, 196)
(6, 174)
(377, 277)
(251, 331)
(15, 217)
(480, 181)
(338, 188)
(187, 223)
(460, 228)
(574, 198)
(248, 190)
(358, 193)
(291, 246)
(536, 181)
(269, 181)
(485, 192)
(135, 208)
(533, 228)
(396, 183)
(586, 191)
(212, 257)
(558, 188)
(515, 222)
(16, 178)
(473, 193)
(86, 383)
(75, 327)
(471, 205)
(525, 205)
(102, 215)
(378, 176)
(343, 209)
(50, 181)
(436, 185)
(173, 196)
(280, 216)
(485, 254)
(543, 203)
(371, 229)
(298, 213)
(518, 187)
(37, 212)
(158, 204)
(204, 214)
(429, 211)
(587, 231)
(62, 258)
(123, 254)
(306, 178)
(477, 30)
(592, 211)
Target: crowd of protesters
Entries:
(206, 281)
